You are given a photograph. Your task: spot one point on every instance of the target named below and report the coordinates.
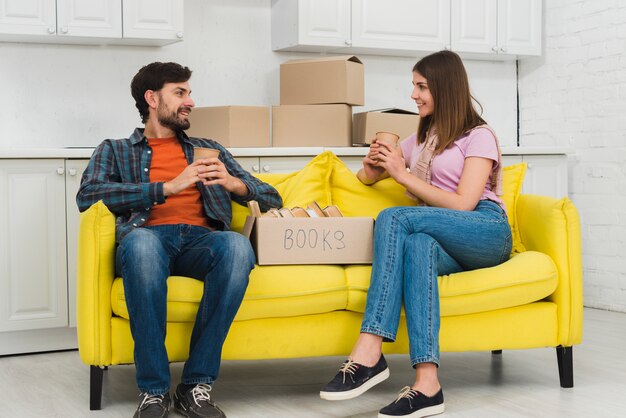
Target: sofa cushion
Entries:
(512, 179)
(356, 199)
(273, 292)
(297, 189)
(525, 278)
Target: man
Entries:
(173, 216)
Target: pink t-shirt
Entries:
(448, 166)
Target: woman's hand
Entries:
(391, 160)
(371, 172)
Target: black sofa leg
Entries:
(496, 352)
(95, 387)
(565, 358)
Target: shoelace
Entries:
(349, 367)
(201, 392)
(408, 393)
(150, 399)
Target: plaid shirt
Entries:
(119, 175)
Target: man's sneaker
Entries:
(153, 406)
(353, 379)
(414, 404)
(196, 402)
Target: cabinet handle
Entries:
(266, 168)
(494, 48)
(503, 49)
(60, 170)
(51, 30)
(446, 47)
(348, 42)
(529, 165)
(179, 35)
(65, 29)
(72, 171)
(255, 168)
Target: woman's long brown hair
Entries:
(454, 113)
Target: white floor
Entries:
(517, 384)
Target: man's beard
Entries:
(171, 120)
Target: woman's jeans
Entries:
(145, 258)
(412, 246)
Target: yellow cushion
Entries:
(512, 179)
(356, 199)
(273, 292)
(525, 278)
(297, 189)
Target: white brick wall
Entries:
(575, 96)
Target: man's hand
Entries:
(209, 171)
(190, 175)
(213, 171)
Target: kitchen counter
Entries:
(82, 153)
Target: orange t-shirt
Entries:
(168, 161)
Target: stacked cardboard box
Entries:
(232, 126)
(316, 96)
(399, 121)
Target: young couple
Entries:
(173, 217)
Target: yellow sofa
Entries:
(532, 300)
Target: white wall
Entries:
(575, 96)
(67, 95)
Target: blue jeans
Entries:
(412, 246)
(145, 258)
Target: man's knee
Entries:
(238, 248)
(141, 242)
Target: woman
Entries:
(454, 171)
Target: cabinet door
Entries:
(546, 175)
(283, 164)
(310, 25)
(33, 266)
(250, 164)
(73, 172)
(28, 17)
(153, 19)
(519, 27)
(89, 18)
(409, 25)
(474, 26)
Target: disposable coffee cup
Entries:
(203, 153)
(388, 138)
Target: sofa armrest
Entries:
(95, 274)
(552, 226)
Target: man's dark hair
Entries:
(153, 77)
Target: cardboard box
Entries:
(232, 126)
(322, 81)
(312, 126)
(399, 121)
(311, 240)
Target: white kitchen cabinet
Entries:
(38, 253)
(360, 26)
(155, 20)
(546, 175)
(121, 22)
(89, 18)
(480, 29)
(400, 26)
(310, 25)
(33, 264)
(505, 28)
(27, 18)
